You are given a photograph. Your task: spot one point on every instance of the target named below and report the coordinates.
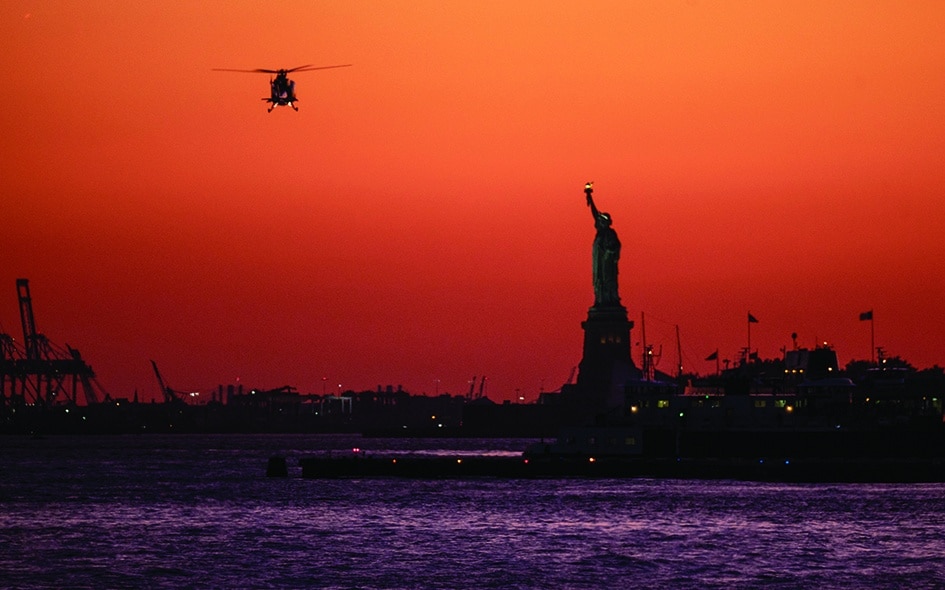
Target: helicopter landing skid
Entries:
(273, 105)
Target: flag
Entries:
(866, 315)
(712, 356)
(752, 319)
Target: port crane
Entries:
(38, 371)
(170, 396)
(472, 388)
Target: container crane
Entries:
(170, 396)
(43, 369)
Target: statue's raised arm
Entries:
(589, 190)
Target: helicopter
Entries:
(282, 89)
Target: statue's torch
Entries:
(588, 189)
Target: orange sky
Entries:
(421, 219)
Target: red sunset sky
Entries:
(422, 220)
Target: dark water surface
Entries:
(198, 512)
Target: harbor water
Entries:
(197, 511)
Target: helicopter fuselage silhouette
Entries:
(282, 92)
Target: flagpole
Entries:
(868, 315)
(748, 358)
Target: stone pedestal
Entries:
(606, 365)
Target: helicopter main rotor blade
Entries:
(307, 68)
(257, 71)
(310, 68)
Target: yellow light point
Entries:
(588, 186)
(394, 461)
(789, 409)
(458, 461)
(591, 460)
(634, 409)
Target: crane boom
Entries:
(30, 337)
(166, 391)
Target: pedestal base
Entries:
(606, 365)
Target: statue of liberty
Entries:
(606, 253)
